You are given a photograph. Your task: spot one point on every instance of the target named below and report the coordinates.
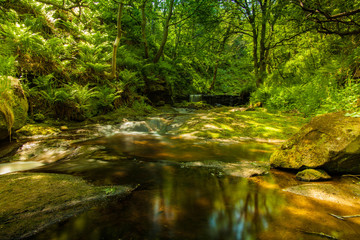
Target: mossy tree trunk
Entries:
(143, 29)
(117, 40)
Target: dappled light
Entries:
(210, 119)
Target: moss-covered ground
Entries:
(33, 201)
(233, 123)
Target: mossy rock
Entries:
(330, 141)
(312, 175)
(30, 202)
(13, 110)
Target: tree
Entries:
(117, 40)
(261, 18)
(165, 32)
(333, 17)
(143, 28)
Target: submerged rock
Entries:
(311, 175)
(13, 108)
(330, 141)
(243, 169)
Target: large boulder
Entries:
(13, 108)
(330, 141)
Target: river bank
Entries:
(164, 156)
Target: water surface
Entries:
(176, 201)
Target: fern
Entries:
(20, 36)
(105, 98)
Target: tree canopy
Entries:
(80, 58)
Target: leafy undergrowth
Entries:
(233, 123)
(33, 201)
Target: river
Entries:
(177, 200)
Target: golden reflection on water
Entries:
(176, 202)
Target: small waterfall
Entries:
(195, 98)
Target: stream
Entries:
(177, 197)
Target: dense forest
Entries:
(79, 58)
(100, 137)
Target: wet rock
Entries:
(7, 148)
(30, 130)
(330, 141)
(311, 175)
(244, 169)
(64, 128)
(31, 202)
(136, 126)
(345, 194)
(13, 108)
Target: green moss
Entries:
(308, 175)
(8, 113)
(37, 129)
(32, 201)
(229, 122)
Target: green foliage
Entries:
(141, 107)
(105, 98)
(130, 80)
(65, 56)
(347, 98)
(19, 36)
(128, 58)
(93, 58)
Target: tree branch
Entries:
(62, 7)
(189, 16)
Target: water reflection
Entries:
(176, 203)
(177, 149)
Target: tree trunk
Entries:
(117, 40)
(143, 30)
(220, 52)
(262, 53)
(214, 75)
(165, 33)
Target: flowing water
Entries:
(175, 200)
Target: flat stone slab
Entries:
(30, 202)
